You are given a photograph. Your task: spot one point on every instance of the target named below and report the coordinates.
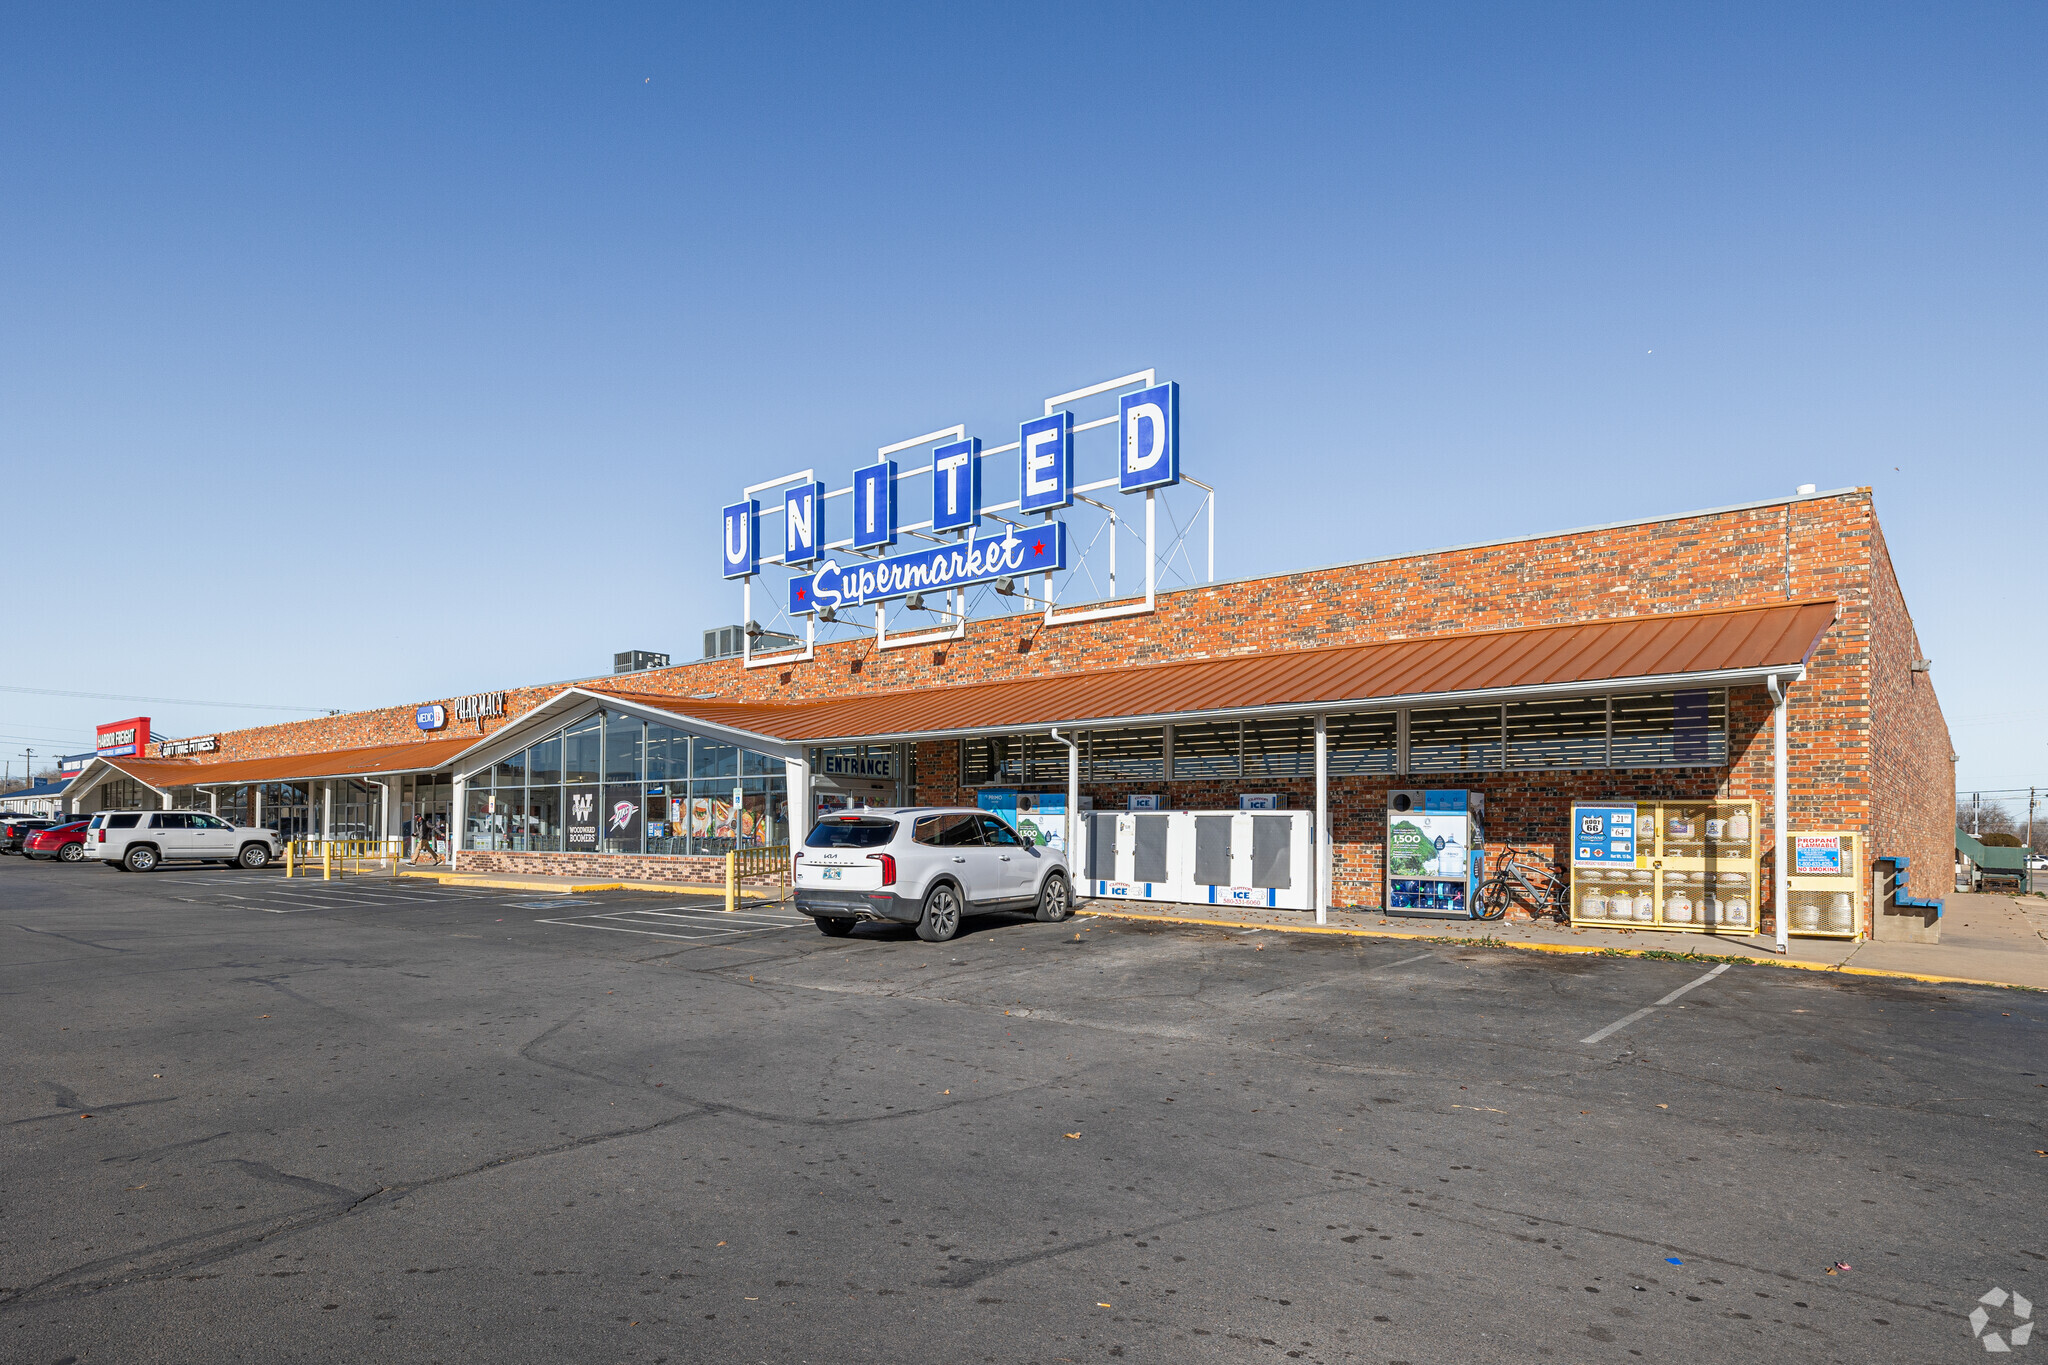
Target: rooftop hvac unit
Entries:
(638, 661)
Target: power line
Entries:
(168, 701)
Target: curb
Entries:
(1086, 908)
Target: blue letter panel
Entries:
(874, 505)
(956, 485)
(803, 511)
(742, 539)
(1047, 453)
(1151, 438)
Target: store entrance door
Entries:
(426, 806)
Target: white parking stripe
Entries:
(1626, 1020)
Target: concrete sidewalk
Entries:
(1985, 939)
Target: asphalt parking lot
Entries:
(255, 1120)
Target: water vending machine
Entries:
(1436, 852)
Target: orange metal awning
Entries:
(1730, 645)
(421, 755)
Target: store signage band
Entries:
(178, 748)
(479, 705)
(1039, 550)
(476, 706)
(1149, 428)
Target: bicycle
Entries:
(1522, 875)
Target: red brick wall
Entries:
(1913, 774)
(1804, 548)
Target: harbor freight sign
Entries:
(121, 738)
(1040, 549)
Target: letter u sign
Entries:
(742, 539)
(1151, 438)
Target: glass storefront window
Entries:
(622, 813)
(622, 735)
(639, 777)
(580, 758)
(544, 762)
(708, 759)
(541, 826)
(668, 754)
(488, 818)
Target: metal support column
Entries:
(1321, 851)
(1781, 860)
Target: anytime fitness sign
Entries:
(1148, 422)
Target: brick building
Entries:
(1616, 663)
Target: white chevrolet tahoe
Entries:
(930, 867)
(138, 840)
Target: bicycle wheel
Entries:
(1494, 899)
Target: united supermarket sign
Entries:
(861, 571)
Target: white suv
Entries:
(926, 866)
(138, 840)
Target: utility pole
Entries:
(1976, 814)
(2030, 822)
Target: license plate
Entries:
(830, 874)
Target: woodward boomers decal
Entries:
(1035, 550)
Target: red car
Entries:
(65, 843)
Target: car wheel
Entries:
(141, 858)
(1055, 899)
(835, 928)
(72, 853)
(253, 856)
(941, 919)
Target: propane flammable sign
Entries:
(1816, 855)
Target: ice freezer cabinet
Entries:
(1436, 852)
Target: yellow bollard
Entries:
(732, 881)
(289, 846)
(327, 860)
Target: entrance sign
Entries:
(874, 506)
(1151, 432)
(1039, 550)
(803, 509)
(956, 485)
(742, 537)
(1048, 445)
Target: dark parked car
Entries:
(16, 828)
(65, 843)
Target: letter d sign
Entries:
(1151, 430)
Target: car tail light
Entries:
(888, 863)
(103, 836)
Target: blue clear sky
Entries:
(356, 356)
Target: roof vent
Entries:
(1805, 490)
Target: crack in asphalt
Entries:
(81, 942)
(155, 1152)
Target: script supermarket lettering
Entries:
(1039, 549)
